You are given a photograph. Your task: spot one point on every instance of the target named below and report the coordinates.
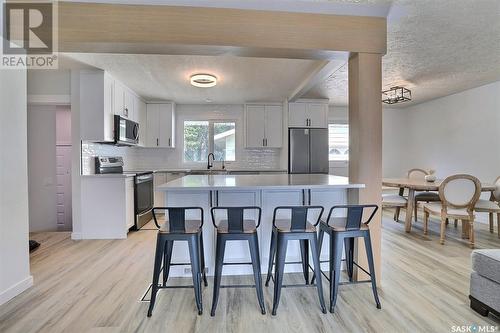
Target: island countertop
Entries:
(258, 182)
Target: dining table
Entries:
(414, 185)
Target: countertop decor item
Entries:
(431, 177)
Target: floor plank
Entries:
(95, 286)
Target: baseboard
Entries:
(15, 290)
(76, 235)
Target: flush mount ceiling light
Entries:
(396, 95)
(203, 80)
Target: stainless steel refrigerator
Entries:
(308, 150)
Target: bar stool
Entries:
(236, 227)
(342, 232)
(295, 228)
(177, 228)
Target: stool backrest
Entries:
(460, 191)
(417, 173)
(299, 215)
(176, 217)
(235, 217)
(354, 215)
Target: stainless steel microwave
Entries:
(126, 131)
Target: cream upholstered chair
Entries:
(425, 196)
(491, 206)
(459, 195)
(394, 201)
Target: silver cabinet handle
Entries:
(169, 142)
(157, 143)
(263, 142)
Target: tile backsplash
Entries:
(138, 158)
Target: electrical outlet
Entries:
(187, 270)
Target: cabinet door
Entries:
(255, 119)
(129, 202)
(317, 114)
(297, 115)
(274, 126)
(166, 123)
(140, 108)
(153, 125)
(109, 129)
(128, 107)
(119, 99)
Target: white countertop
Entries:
(205, 170)
(258, 182)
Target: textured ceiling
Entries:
(166, 77)
(434, 47)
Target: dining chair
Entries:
(459, 195)
(491, 206)
(425, 196)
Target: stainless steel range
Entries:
(143, 187)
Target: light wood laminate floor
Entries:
(95, 286)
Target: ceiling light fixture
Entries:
(396, 95)
(203, 80)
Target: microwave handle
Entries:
(136, 132)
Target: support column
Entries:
(365, 142)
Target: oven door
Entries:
(144, 199)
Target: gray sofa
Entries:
(485, 282)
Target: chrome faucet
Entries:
(210, 165)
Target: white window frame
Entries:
(211, 123)
(337, 163)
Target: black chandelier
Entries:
(396, 95)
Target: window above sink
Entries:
(204, 136)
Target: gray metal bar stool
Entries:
(236, 227)
(295, 228)
(342, 232)
(177, 228)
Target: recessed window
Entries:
(338, 142)
(204, 136)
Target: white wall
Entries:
(453, 134)
(42, 168)
(14, 257)
(49, 82)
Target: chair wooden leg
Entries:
(498, 224)
(415, 204)
(447, 221)
(426, 222)
(471, 232)
(464, 229)
(443, 229)
(396, 214)
(491, 222)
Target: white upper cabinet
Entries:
(308, 114)
(161, 125)
(96, 106)
(124, 102)
(264, 126)
(141, 115)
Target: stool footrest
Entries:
(238, 286)
(237, 263)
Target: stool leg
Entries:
(498, 224)
(349, 256)
(219, 261)
(202, 254)
(320, 246)
(369, 255)
(272, 253)
(304, 252)
(317, 270)
(279, 269)
(491, 221)
(160, 244)
(194, 252)
(253, 242)
(167, 258)
(336, 250)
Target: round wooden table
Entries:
(414, 185)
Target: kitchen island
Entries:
(266, 191)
